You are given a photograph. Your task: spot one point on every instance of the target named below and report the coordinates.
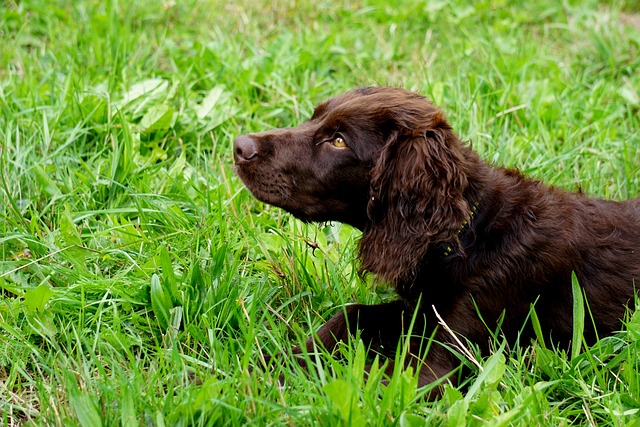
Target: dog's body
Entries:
(450, 233)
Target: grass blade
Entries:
(578, 317)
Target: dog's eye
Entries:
(339, 142)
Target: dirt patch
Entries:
(631, 19)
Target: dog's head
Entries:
(381, 159)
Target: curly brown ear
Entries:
(417, 201)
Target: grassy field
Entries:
(132, 256)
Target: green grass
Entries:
(131, 256)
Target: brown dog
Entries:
(450, 233)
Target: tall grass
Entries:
(132, 259)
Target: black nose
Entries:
(244, 149)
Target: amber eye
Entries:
(339, 142)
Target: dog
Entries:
(463, 243)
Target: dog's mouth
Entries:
(266, 186)
(280, 190)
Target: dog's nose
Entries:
(244, 149)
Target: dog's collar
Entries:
(448, 249)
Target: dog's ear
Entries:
(416, 202)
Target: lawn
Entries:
(133, 260)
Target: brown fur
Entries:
(447, 230)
